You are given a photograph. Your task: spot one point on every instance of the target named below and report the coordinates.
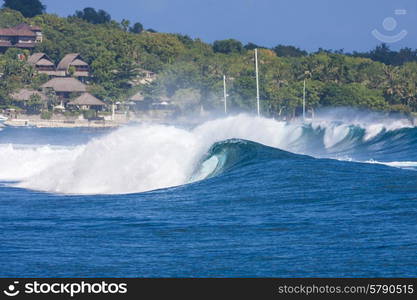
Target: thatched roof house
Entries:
(36, 57)
(65, 85)
(82, 69)
(20, 36)
(25, 94)
(15, 32)
(42, 63)
(87, 101)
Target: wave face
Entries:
(149, 157)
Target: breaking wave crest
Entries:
(149, 157)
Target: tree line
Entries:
(190, 71)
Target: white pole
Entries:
(112, 111)
(225, 94)
(257, 82)
(304, 100)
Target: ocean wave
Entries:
(236, 153)
(149, 157)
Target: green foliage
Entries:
(166, 47)
(384, 54)
(9, 18)
(73, 113)
(286, 99)
(125, 24)
(252, 46)
(15, 74)
(180, 76)
(289, 51)
(136, 28)
(71, 71)
(188, 100)
(90, 15)
(191, 71)
(28, 8)
(89, 114)
(400, 108)
(352, 95)
(228, 46)
(34, 104)
(46, 115)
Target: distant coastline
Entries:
(89, 69)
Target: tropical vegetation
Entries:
(190, 71)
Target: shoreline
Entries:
(62, 123)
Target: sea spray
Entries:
(149, 157)
(18, 162)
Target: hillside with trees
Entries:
(190, 71)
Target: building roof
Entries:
(87, 99)
(27, 27)
(5, 44)
(25, 94)
(35, 57)
(65, 84)
(40, 59)
(22, 29)
(16, 32)
(78, 62)
(45, 62)
(68, 60)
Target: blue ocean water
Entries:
(322, 200)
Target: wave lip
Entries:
(237, 153)
(224, 156)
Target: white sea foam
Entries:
(412, 165)
(143, 157)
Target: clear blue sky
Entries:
(309, 24)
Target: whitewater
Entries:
(148, 157)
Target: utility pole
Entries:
(304, 101)
(113, 108)
(225, 94)
(257, 83)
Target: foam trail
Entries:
(411, 165)
(148, 157)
